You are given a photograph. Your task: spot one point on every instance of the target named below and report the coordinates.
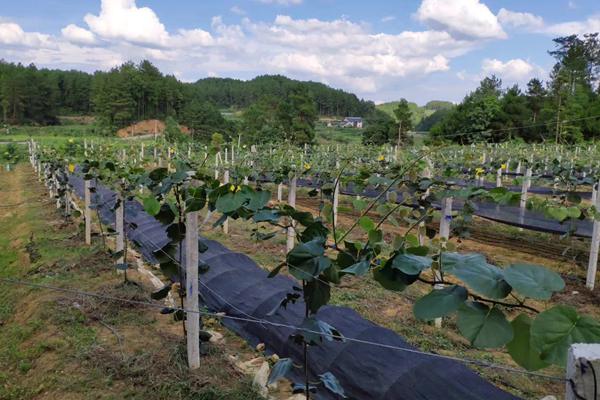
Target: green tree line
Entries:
(133, 92)
(566, 108)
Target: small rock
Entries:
(215, 337)
(274, 358)
(574, 292)
(250, 367)
(260, 379)
(260, 347)
(548, 398)
(297, 396)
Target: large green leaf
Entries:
(520, 348)
(554, 330)
(151, 205)
(477, 274)
(484, 327)
(533, 281)
(393, 279)
(229, 202)
(307, 260)
(316, 294)
(358, 269)
(439, 303)
(411, 264)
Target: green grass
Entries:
(57, 345)
(331, 135)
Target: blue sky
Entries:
(380, 50)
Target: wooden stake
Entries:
(225, 182)
(88, 211)
(192, 294)
(444, 235)
(119, 228)
(590, 280)
(291, 232)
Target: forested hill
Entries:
(133, 92)
(226, 92)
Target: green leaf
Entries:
(257, 199)
(332, 384)
(229, 202)
(439, 303)
(475, 272)
(558, 213)
(314, 331)
(166, 214)
(375, 236)
(366, 223)
(484, 327)
(196, 199)
(316, 294)
(359, 204)
(556, 329)
(176, 231)
(411, 264)
(358, 269)
(151, 205)
(520, 348)
(158, 174)
(391, 278)
(280, 370)
(533, 281)
(307, 260)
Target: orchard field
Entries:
(160, 269)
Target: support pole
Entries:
(225, 182)
(583, 364)
(280, 192)
(444, 235)
(88, 211)
(524, 188)
(590, 280)
(291, 232)
(336, 200)
(119, 228)
(192, 295)
(499, 177)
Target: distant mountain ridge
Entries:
(418, 112)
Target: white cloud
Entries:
(461, 18)
(123, 20)
(513, 71)
(78, 35)
(590, 25)
(388, 18)
(536, 24)
(12, 34)
(520, 19)
(282, 2)
(237, 10)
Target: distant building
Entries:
(352, 122)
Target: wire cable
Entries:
(282, 325)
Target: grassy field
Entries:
(63, 346)
(332, 135)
